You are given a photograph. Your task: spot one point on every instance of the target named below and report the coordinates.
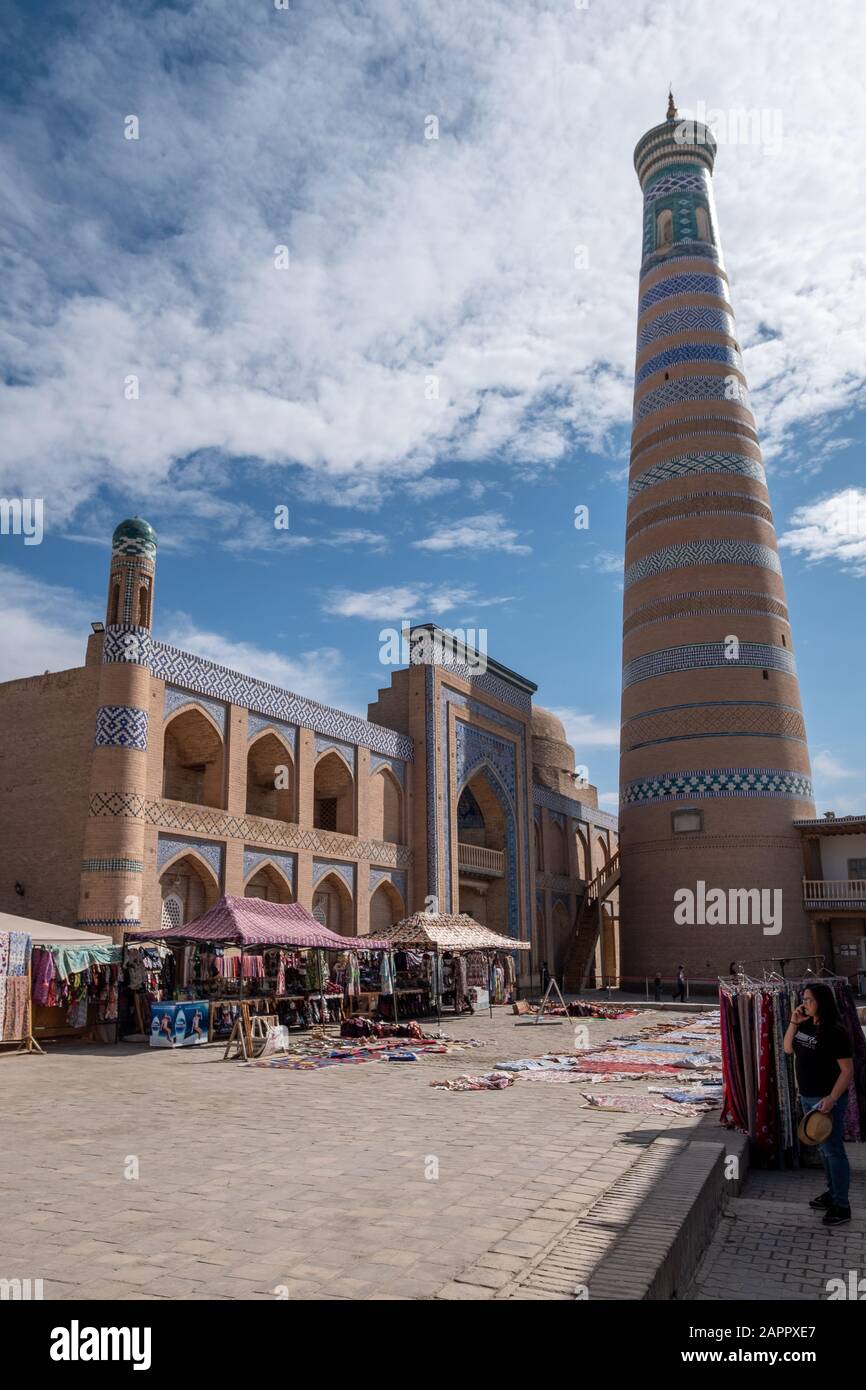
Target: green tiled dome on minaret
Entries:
(135, 536)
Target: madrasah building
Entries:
(145, 783)
(141, 785)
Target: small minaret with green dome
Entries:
(133, 569)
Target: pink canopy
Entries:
(256, 922)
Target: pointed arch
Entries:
(193, 758)
(558, 849)
(539, 845)
(581, 845)
(270, 777)
(334, 901)
(386, 908)
(267, 880)
(187, 879)
(385, 807)
(602, 854)
(333, 794)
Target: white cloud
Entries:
(424, 488)
(318, 674)
(609, 801)
(827, 766)
(487, 531)
(45, 627)
(411, 602)
(409, 258)
(587, 730)
(831, 528)
(603, 562)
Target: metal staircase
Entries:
(588, 926)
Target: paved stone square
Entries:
(316, 1183)
(770, 1244)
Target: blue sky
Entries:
(437, 377)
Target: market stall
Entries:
(242, 958)
(74, 979)
(450, 947)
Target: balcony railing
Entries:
(485, 861)
(834, 892)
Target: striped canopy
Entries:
(256, 922)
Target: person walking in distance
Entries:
(824, 1067)
(657, 986)
(680, 991)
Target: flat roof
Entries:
(839, 825)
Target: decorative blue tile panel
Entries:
(685, 182)
(703, 553)
(211, 851)
(126, 642)
(175, 699)
(684, 284)
(693, 318)
(703, 655)
(560, 898)
(686, 250)
(346, 872)
(336, 745)
(433, 829)
(121, 726)
(718, 782)
(691, 465)
(689, 388)
(689, 352)
(397, 767)
(284, 862)
(577, 810)
(475, 746)
(396, 877)
(256, 723)
(483, 682)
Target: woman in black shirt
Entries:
(824, 1067)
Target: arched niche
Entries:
(334, 903)
(386, 908)
(267, 882)
(385, 807)
(270, 778)
(333, 795)
(193, 759)
(188, 888)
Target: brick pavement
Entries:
(770, 1245)
(312, 1183)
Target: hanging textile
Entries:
(760, 1087)
(15, 951)
(386, 975)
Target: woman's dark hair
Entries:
(828, 1012)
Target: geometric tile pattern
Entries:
(483, 682)
(690, 465)
(284, 862)
(693, 317)
(693, 426)
(108, 922)
(174, 699)
(335, 745)
(252, 829)
(712, 601)
(705, 655)
(475, 749)
(718, 781)
(697, 182)
(287, 732)
(127, 643)
(112, 866)
(690, 251)
(451, 794)
(689, 352)
(211, 851)
(684, 284)
(714, 719)
(690, 388)
(396, 766)
(725, 552)
(577, 810)
(346, 872)
(397, 877)
(121, 726)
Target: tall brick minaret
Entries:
(714, 765)
(113, 865)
